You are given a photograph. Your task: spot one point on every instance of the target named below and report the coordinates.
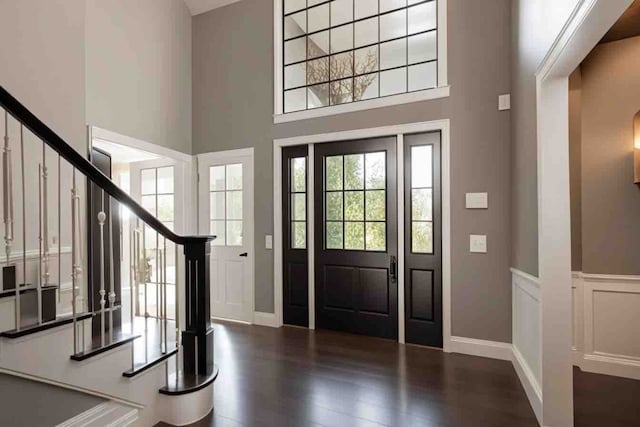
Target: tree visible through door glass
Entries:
(422, 199)
(298, 202)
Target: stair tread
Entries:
(32, 329)
(119, 340)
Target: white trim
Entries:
(481, 348)
(400, 237)
(31, 254)
(369, 104)
(437, 125)
(311, 248)
(590, 20)
(116, 138)
(442, 91)
(529, 383)
(117, 413)
(265, 319)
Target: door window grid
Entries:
(355, 202)
(422, 199)
(344, 51)
(298, 205)
(225, 202)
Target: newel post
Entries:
(197, 338)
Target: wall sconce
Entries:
(636, 148)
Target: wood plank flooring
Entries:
(296, 377)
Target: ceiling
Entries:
(197, 7)
(627, 26)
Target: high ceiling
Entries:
(627, 26)
(197, 7)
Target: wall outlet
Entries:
(504, 102)
(478, 243)
(268, 241)
(477, 201)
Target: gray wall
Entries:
(233, 107)
(610, 199)
(138, 69)
(575, 167)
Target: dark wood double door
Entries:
(356, 240)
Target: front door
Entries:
(356, 237)
(226, 211)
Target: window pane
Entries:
(234, 205)
(376, 205)
(375, 170)
(341, 91)
(365, 8)
(341, 38)
(148, 181)
(341, 12)
(386, 5)
(421, 166)
(298, 174)
(393, 82)
(216, 178)
(366, 32)
(318, 18)
(334, 235)
(150, 240)
(165, 207)
(318, 70)
(365, 87)
(423, 76)
(295, 50)
(318, 44)
(165, 180)
(149, 203)
(234, 177)
(393, 54)
(293, 5)
(341, 65)
(295, 75)
(422, 205)
(299, 235)
(295, 25)
(376, 236)
(218, 230)
(333, 173)
(354, 205)
(393, 25)
(422, 47)
(295, 100)
(299, 207)
(354, 235)
(422, 237)
(334, 206)
(234, 233)
(216, 206)
(366, 60)
(422, 17)
(354, 172)
(318, 96)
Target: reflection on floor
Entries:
(603, 400)
(297, 377)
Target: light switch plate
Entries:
(268, 241)
(477, 201)
(504, 102)
(478, 243)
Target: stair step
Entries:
(119, 340)
(32, 329)
(141, 367)
(179, 383)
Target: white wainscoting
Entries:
(606, 324)
(526, 330)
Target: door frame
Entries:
(247, 211)
(443, 126)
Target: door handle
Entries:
(393, 267)
(244, 254)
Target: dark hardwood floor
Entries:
(296, 377)
(603, 400)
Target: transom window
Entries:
(225, 198)
(298, 194)
(343, 51)
(355, 202)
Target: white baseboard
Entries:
(265, 319)
(529, 383)
(607, 365)
(482, 348)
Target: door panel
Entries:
(295, 296)
(356, 236)
(423, 240)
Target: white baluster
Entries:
(164, 292)
(74, 270)
(7, 190)
(112, 294)
(45, 218)
(101, 219)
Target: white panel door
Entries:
(226, 211)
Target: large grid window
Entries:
(225, 198)
(342, 51)
(355, 202)
(298, 194)
(422, 199)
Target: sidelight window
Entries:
(355, 202)
(225, 198)
(298, 206)
(422, 199)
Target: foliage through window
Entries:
(422, 199)
(298, 194)
(341, 51)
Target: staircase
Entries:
(60, 312)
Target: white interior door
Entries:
(226, 211)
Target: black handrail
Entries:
(42, 131)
